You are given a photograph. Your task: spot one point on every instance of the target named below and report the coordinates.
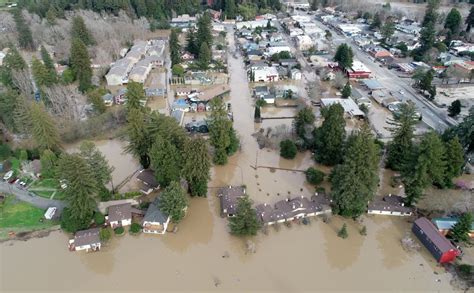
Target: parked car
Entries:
(8, 175)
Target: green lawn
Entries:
(17, 215)
(15, 163)
(45, 183)
(43, 193)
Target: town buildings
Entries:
(390, 205)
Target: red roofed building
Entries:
(358, 70)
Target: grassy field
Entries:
(17, 216)
(46, 183)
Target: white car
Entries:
(8, 175)
(401, 92)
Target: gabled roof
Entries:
(432, 233)
(154, 214)
(87, 237)
(390, 203)
(148, 177)
(120, 212)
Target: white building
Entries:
(120, 215)
(350, 107)
(391, 205)
(278, 48)
(251, 24)
(140, 71)
(296, 74)
(350, 29)
(155, 221)
(265, 74)
(304, 42)
(86, 240)
(118, 73)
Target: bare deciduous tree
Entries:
(66, 102)
(22, 80)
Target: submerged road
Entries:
(23, 195)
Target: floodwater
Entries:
(296, 258)
(124, 164)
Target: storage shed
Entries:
(440, 247)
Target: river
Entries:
(297, 258)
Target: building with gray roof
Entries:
(229, 197)
(155, 221)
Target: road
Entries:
(433, 116)
(23, 195)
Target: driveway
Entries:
(35, 200)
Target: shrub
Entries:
(119, 231)
(99, 218)
(363, 231)
(314, 176)
(343, 232)
(104, 194)
(105, 234)
(5, 152)
(135, 228)
(288, 149)
(321, 190)
(131, 194)
(72, 225)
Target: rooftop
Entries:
(349, 105)
(87, 237)
(120, 212)
(229, 197)
(147, 176)
(154, 214)
(432, 233)
(391, 203)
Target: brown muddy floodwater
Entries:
(113, 149)
(298, 258)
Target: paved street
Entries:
(23, 195)
(433, 116)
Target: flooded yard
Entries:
(297, 258)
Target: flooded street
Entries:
(299, 258)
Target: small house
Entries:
(148, 180)
(296, 74)
(265, 74)
(155, 221)
(229, 197)
(440, 247)
(120, 215)
(86, 240)
(269, 98)
(180, 104)
(391, 205)
(260, 91)
(108, 99)
(445, 225)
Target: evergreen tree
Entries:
(97, 162)
(454, 160)
(174, 48)
(344, 56)
(25, 38)
(41, 74)
(219, 130)
(8, 103)
(376, 21)
(346, 91)
(470, 19)
(191, 42)
(387, 30)
(204, 56)
(288, 149)
(204, 32)
(230, 9)
(51, 16)
(139, 141)
(80, 31)
(304, 118)
(245, 221)
(460, 231)
(135, 96)
(427, 37)
(464, 131)
(234, 142)
(21, 115)
(314, 176)
(329, 138)
(196, 166)
(166, 160)
(12, 62)
(173, 202)
(81, 64)
(343, 232)
(81, 186)
(453, 21)
(354, 182)
(401, 147)
(431, 14)
(454, 109)
(43, 128)
(49, 64)
(48, 163)
(314, 5)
